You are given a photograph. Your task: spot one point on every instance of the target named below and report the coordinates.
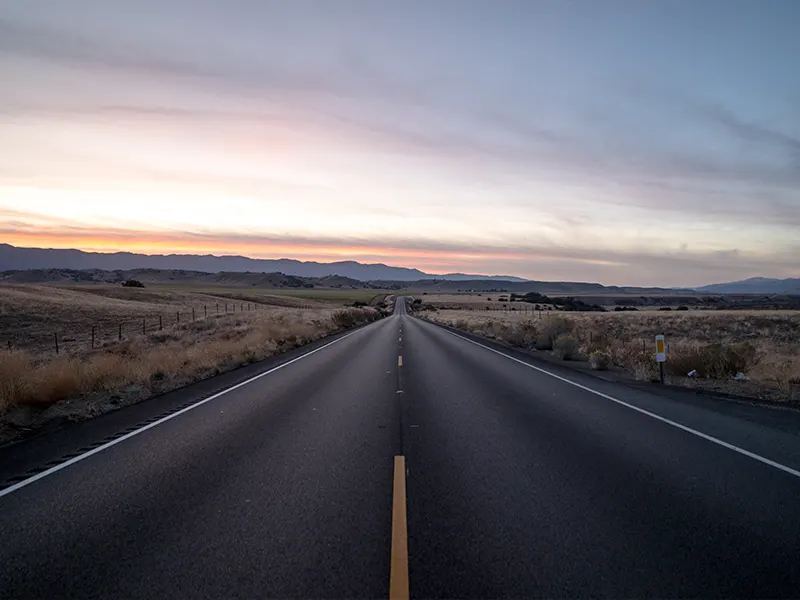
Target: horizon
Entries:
(497, 275)
(627, 143)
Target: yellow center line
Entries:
(399, 361)
(398, 577)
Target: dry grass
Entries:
(32, 315)
(717, 344)
(36, 379)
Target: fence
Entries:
(104, 331)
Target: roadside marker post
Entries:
(661, 355)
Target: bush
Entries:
(551, 329)
(132, 283)
(682, 308)
(566, 347)
(599, 360)
(713, 361)
(350, 317)
(522, 334)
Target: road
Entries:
(404, 457)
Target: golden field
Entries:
(33, 377)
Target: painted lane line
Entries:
(85, 455)
(398, 575)
(652, 415)
(399, 361)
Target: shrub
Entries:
(462, 324)
(522, 334)
(642, 363)
(350, 317)
(714, 361)
(14, 380)
(552, 328)
(599, 360)
(566, 347)
(132, 283)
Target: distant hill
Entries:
(551, 288)
(754, 285)
(16, 258)
(178, 276)
(282, 280)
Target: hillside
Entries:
(562, 288)
(12, 257)
(178, 276)
(755, 285)
(281, 280)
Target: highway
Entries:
(404, 458)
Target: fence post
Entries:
(9, 345)
(205, 310)
(193, 313)
(92, 337)
(644, 347)
(55, 337)
(226, 307)
(242, 308)
(144, 325)
(160, 324)
(178, 317)
(120, 332)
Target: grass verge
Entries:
(748, 354)
(36, 387)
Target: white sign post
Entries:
(661, 355)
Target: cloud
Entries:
(603, 164)
(745, 130)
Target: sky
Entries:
(629, 142)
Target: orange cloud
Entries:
(149, 242)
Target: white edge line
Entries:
(700, 434)
(85, 455)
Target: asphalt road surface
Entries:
(402, 457)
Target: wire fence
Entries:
(103, 331)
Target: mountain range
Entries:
(16, 258)
(13, 258)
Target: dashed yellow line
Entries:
(399, 361)
(398, 577)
